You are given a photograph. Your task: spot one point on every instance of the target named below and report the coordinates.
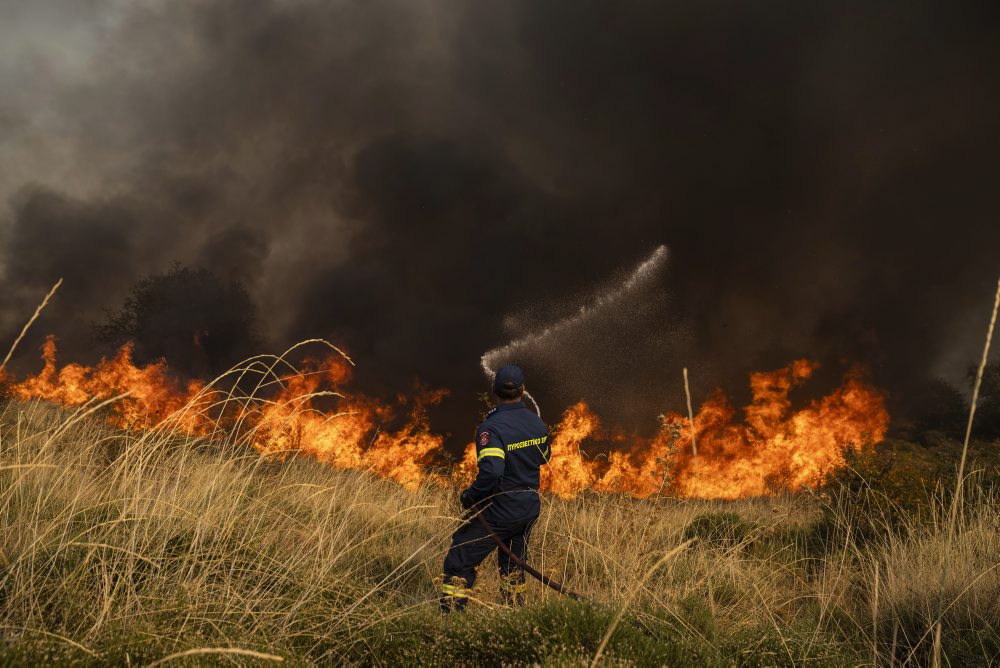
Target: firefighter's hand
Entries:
(466, 500)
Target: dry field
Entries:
(137, 547)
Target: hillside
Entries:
(131, 547)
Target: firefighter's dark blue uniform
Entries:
(511, 446)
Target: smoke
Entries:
(398, 176)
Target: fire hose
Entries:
(541, 577)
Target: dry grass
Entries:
(127, 547)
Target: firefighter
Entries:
(511, 446)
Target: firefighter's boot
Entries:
(512, 586)
(454, 595)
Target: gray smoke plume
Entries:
(401, 176)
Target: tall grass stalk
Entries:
(621, 611)
(960, 482)
(27, 326)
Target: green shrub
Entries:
(795, 645)
(874, 493)
(557, 632)
(563, 633)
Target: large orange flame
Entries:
(347, 435)
(774, 448)
(153, 394)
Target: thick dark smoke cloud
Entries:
(407, 177)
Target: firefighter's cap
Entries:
(509, 375)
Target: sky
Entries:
(422, 181)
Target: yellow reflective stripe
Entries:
(453, 590)
(512, 588)
(491, 452)
(512, 583)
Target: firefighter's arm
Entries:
(546, 448)
(490, 456)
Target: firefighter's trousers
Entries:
(470, 545)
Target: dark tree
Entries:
(987, 422)
(939, 406)
(201, 324)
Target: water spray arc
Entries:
(598, 304)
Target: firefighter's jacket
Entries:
(511, 446)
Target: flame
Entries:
(153, 393)
(292, 422)
(772, 448)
